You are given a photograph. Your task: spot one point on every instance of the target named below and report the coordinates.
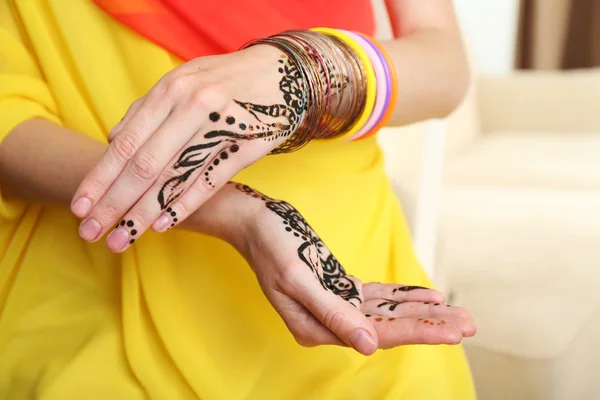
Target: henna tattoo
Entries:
(128, 224)
(379, 318)
(408, 288)
(391, 303)
(266, 122)
(312, 251)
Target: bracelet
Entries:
(343, 83)
(382, 93)
(393, 81)
(370, 78)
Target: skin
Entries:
(69, 165)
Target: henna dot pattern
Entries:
(265, 122)
(173, 215)
(128, 224)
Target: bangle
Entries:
(370, 79)
(330, 86)
(394, 91)
(381, 80)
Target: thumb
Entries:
(340, 317)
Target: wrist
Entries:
(229, 215)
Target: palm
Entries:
(317, 291)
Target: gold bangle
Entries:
(370, 76)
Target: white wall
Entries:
(490, 29)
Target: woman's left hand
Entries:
(178, 145)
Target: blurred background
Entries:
(503, 197)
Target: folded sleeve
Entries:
(24, 93)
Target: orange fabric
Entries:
(193, 28)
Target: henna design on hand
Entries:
(391, 303)
(408, 288)
(265, 122)
(128, 224)
(312, 251)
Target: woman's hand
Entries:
(321, 304)
(178, 145)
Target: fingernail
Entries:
(118, 239)
(90, 229)
(363, 342)
(81, 207)
(161, 224)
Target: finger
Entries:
(165, 192)
(213, 158)
(337, 314)
(185, 198)
(133, 108)
(306, 329)
(156, 107)
(155, 157)
(401, 293)
(393, 332)
(413, 309)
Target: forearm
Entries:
(429, 58)
(432, 74)
(44, 163)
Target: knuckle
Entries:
(182, 209)
(287, 280)
(109, 211)
(93, 186)
(212, 96)
(202, 190)
(124, 146)
(142, 216)
(144, 166)
(175, 86)
(333, 319)
(304, 339)
(135, 105)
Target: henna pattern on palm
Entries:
(312, 251)
(264, 122)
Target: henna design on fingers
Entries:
(265, 122)
(408, 288)
(312, 251)
(128, 224)
(391, 303)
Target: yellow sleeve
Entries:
(23, 92)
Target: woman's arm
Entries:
(429, 57)
(44, 162)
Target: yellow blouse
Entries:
(179, 315)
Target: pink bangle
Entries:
(380, 98)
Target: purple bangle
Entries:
(379, 107)
(388, 77)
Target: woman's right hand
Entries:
(319, 302)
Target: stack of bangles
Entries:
(342, 85)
